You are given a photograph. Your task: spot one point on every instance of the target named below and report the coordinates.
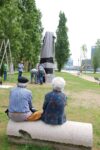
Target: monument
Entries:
(47, 55)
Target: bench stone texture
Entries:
(69, 136)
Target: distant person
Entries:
(20, 103)
(0, 80)
(34, 75)
(54, 103)
(41, 74)
(5, 69)
(20, 69)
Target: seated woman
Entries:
(20, 103)
(54, 103)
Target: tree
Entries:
(20, 22)
(10, 27)
(95, 62)
(31, 26)
(84, 56)
(62, 51)
(96, 56)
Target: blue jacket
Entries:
(53, 108)
(20, 100)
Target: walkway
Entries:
(83, 76)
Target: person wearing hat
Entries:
(54, 103)
(20, 103)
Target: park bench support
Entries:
(69, 136)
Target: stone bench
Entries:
(69, 136)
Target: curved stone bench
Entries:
(70, 136)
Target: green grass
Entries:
(83, 106)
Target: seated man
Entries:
(54, 104)
(20, 103)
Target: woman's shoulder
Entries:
(49, 94)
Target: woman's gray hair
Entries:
(58, 83)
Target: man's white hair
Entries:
(58, 83)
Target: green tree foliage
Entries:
(62, 51)
(20, 22)
(32, 29)
(96, 56)
(10, 25)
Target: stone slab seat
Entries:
(70, 136)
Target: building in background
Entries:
(69, 64)
(87, 64)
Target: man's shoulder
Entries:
(28, 91)
(14, 89)
(18, 88)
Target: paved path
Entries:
(83, 76)
(89, 78)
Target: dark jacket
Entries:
(53, 108)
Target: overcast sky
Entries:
(83, 21)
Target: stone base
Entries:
(49, 78)
(57, 146)
(69, 136)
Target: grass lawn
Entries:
(83, 106)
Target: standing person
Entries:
(20, 103)
(5, 69)
(54, 103)
(41, 74)
(20, 69)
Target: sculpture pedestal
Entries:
(49, 78)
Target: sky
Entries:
(83, 22)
